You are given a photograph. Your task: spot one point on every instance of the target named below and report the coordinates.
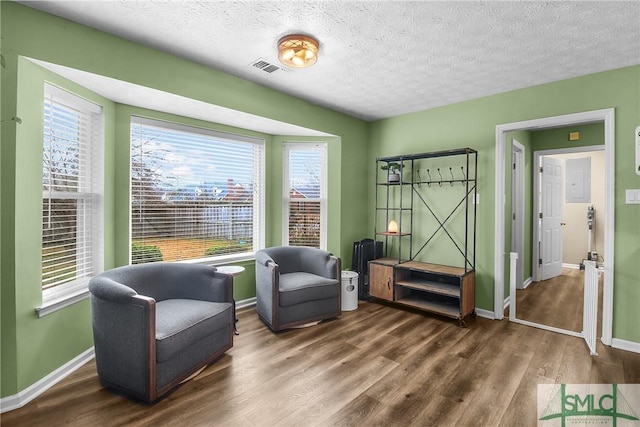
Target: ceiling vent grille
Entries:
(266, 66)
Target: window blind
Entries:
(72, 185)
(305, 194)
(195, 193)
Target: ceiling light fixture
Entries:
(298, 51)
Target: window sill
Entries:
(53, 305)
(223, 260)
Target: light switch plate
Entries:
(632, 196)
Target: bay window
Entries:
(195, 193)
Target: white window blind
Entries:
(195, 193)
(305, 194)
(72, 191)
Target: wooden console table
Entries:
(441, 289)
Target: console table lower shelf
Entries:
(440, 289)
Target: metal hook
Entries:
(464, 178)
(440, 182)
(419, 179)
(429, 182)
(451, 172)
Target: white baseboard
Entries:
(246, 303)
(625, 345)
(16, 401)
(507, 300)
(485, 313)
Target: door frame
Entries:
(607, 116)
(537, 156)
(517, 208)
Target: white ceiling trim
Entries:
(145, 97)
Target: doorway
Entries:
(582, 219)
(556, 298)
(605, 116)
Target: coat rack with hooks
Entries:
(448, 290)
(462, 179)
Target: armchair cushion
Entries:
(183, 322)
(296, 288)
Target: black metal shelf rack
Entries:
(402, 203)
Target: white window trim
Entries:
(287, 146)
(63, 296)
(222, 259)
(67, 294)
(259, 207)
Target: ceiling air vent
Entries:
(266, 66)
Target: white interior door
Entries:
(551, 218)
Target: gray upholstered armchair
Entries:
(296, 285)
(156, 324)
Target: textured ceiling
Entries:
(382, 59)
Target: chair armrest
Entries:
(267, 273)
(335, 264)
(148, 306)
(124, 334)
(263, 259)
(267, 286)
(108, 289)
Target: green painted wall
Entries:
(473, 123)
(549, 139)
(31, 347)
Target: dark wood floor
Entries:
(557, 302)
(378, 365)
